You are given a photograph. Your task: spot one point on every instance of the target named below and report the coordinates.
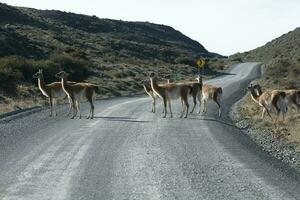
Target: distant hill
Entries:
(282, 59)
(40, 32)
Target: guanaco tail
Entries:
(171, 91)
(269, 99)
(78, 92)
(53, 91)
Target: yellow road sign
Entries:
(200, 62)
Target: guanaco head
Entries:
(168, 78)
(38, 74)
(254, 89)
(152, 75)
(61, 74)
(257, 88)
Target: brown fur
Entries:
(171, 91)
(293, 98)
(195, 92)
(269, 99)
(50, 91)
(75, 93)
(210, 92)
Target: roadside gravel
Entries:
(278, 148)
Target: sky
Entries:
(222, 26)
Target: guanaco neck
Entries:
(42, 85)
(157, 89)
(254, 95)
(65, 86)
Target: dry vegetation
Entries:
(282, 71)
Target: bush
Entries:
(186, 61)
(78, 68)
(15, 70)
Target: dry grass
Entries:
(9, 104)
(288, 130)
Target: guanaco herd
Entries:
(278, 100)
(182, 90)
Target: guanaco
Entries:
(197, 92)
(292, 97)
(268, 100)
(211, 93)
(53, 91)
(171, 91)
(168, 78)
(196, 88)
(78, 92)
(151, 93)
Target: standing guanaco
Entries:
(78, 92)
(292, 97)
(197, 92)
(269, 99)
(53, 91)
(171, 91)
(151, 93)
(210, 92)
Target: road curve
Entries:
(127, 152)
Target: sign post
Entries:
(200, 63)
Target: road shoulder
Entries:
(279, 148)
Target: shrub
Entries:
(78, 68)
(16, 69)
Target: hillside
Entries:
(111, 53)
(281, 57)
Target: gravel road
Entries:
(127, 152)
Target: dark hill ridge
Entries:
(48, 30)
